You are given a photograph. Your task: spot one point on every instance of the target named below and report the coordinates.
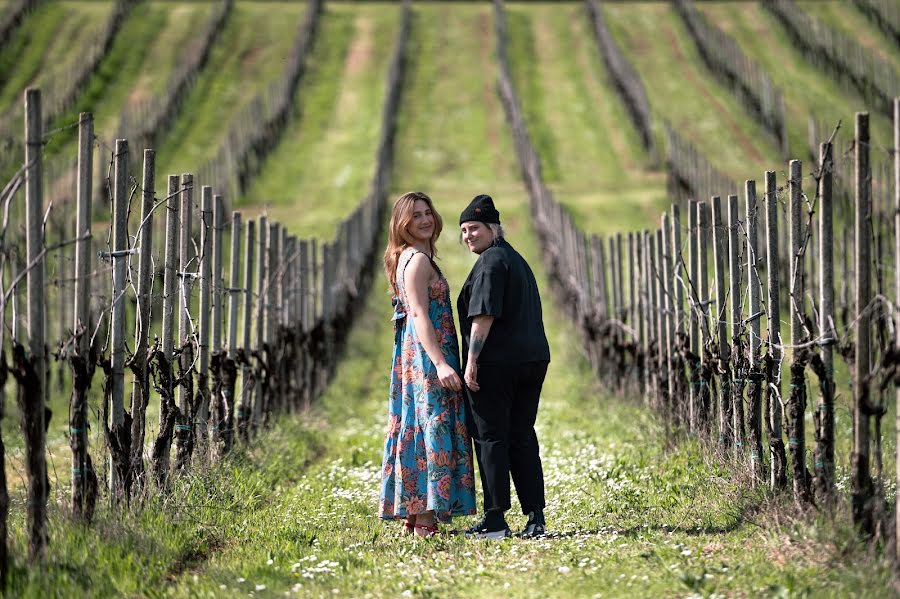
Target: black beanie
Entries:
(481, 209)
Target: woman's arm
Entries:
(418, 271)
(481, 328)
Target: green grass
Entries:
(259, 36)
(846, 18)
(327, 154)
(591, 155)
(46, 45)
(682, 91)
(807, 91)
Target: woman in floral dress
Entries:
(427, 470)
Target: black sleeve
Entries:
(488, 286)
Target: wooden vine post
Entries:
(84, 479)
(720, 246)
(754, 373)
(775, 353)
(30, 369)
(860, 476)
(796, 405)
(823, 459)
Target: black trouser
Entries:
(501, 421)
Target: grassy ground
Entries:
(46, 45)
(806, 90)
(591, 155)
(328, 150)
(259, 37)
(683, 92)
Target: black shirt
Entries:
(502, 285)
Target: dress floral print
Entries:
(427, 462)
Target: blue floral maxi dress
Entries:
(427, 462)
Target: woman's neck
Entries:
(425, 248)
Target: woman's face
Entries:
(476, 235)
(421, 227)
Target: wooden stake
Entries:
(247, 383)
(84, 479)
(184, 433)
(694, 320)
(33, 388)
(737, 384)
(720, 247)
(207, 231)
(824, 421)
(754, 287)
(860, 476)
(778, 472)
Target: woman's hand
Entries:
(448, 377)
(471, 375)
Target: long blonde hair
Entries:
(399, 238)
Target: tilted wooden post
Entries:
(824, 417)
(720, 248)
(84, 479)
(860, 476)
(774, 416)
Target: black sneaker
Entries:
(489, 528)
(535, 526)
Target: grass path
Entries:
(592, 156)
(807, 91)
(326, 156)
(683, 92)
(259, 37)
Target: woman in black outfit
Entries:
(505, 358)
